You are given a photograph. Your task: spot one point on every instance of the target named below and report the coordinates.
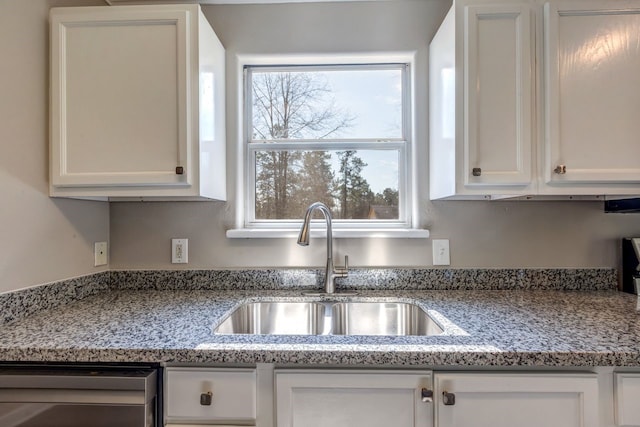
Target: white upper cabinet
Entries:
(137, 103)
(592, 97)
(535, 98)
(481, 101)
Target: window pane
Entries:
(336, 104)
(354, 184)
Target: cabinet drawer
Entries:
(233, 394)
(627, 395)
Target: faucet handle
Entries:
(343, 271)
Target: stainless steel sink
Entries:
(275, 318)
(329, 318)
(381, 318)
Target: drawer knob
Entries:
(206, 398)
(476, 171)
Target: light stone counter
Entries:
(481, 328)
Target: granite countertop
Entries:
(481, 328)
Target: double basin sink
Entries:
(329, 318)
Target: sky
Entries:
(374, 98)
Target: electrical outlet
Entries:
(100, 251)
(440, 249)
(179, 251)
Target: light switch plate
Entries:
(441, 252)
(100, 251)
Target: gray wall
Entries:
(42, 239)
(46, 239)
(482, 234)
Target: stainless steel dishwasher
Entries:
(68, 396)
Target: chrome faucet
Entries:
(330, 272)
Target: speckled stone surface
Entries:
(265, 279)
(16, 305)
(377, 279)
(20, 304)
(481, 328)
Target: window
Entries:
(338, 134)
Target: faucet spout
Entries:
(331, 273)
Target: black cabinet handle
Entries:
(448, 399)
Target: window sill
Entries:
(345, 233)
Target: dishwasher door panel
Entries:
(75, 396)
(74, 415)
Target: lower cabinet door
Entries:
(522, 400)
(627, 396)
(339, 398)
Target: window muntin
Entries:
(334, 134)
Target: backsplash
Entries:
(19, 304)
(366, 278)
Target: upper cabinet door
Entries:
(498, 101)
(592, 92)
(481, 101)
(119, 92)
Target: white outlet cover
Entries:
(179, 251)
(100, 253)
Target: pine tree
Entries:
(355, 193)
(276, 183)
(315, 181)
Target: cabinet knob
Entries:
(448, 399)
(206, 398)
(426, 395)
(560, 169)
(179, 170)
(476, 171)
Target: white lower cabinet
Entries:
(208, 396)
(270, 396)
(522, 400)
(627, 396)
(349, 398)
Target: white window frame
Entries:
(404, 227)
